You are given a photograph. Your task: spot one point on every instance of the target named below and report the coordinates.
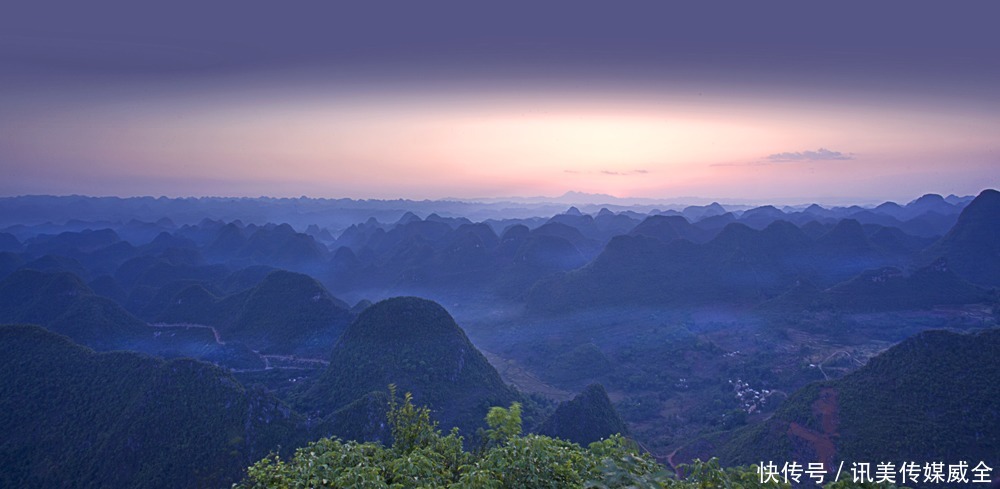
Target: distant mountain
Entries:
(889, 289)
(527, 256)
(586, 418)
(9, 262)
(699, 212)
(63, 303)
(464, 257)
(87, 240)
(611, 225)
(70, 417)
(847, 237)
(972, 247)
(958, 200)
(740, 265)
(244, 278)
(416, 345)
(154, 271)
(138, 232)
(286, 312)
(802, 296)
(929, 203)
(714, 224)
(889, 208)
(107, 286)
(57, 263)
(9, 242)
(667, 228)
(174, 214)
(933, 397)
(760, 217)
(814, 229)
(166, 241)
(188, 301)
(928, 216)
(227, 243)
(288, 308)
(630, 270)
(891, 240)
(280, 246)
(443, 254)
(580, 364)
(574, 197)
(588, 247)
(930, 224)
(407, 218)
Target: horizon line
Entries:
(539, 200)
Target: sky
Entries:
(782, 102)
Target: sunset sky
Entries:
(793, 102)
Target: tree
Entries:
(504, 423)
(421, 457)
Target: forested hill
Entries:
(585, 419)
(285, 313)
(415, 344)
(933, 397)
(61, 302)
(698, 322)
(71, 417)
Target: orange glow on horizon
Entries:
(440, 146)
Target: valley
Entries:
(696, 338)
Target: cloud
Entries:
(821, 154)
(638, 171)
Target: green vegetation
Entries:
(413, 343)
(586, 418)
(70, 417)
(422, 457)
(699, 332)
(288, 311)
(972, 245)
(889, 289)
(504, 423)
(933, 397)
(586, 361)
(285, 313)
(61, 302)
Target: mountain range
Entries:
(247, 330)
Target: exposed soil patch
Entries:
(822, 443)
(525, 381)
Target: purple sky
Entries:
(781, 101)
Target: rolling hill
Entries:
(933, 397)
(70, 417)
(416, 345)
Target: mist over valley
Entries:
(688, 329)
